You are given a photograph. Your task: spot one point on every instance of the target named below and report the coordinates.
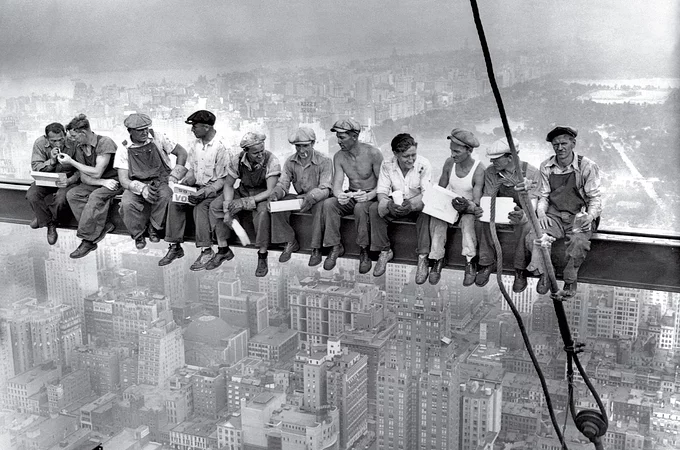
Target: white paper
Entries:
(285, 205)
(504, 205)
(240, 232)
(48, 179)
(398, 197)
(180, 193)
(437, 202)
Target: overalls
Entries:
(146, 165)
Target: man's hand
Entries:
(460, 204)
(477, 211)
(111, 185)
(307, 202)
(228, 218)
(197, 198)
(273, 197)
(150, 193)
(235, 206)
(525, 185)
(344, 198)
(73, 179)
(404, 209)
(544, 221)
(587, 223)
(54, 152)
(363, 196)
(383, 207)
(63, 158)
(516, 216)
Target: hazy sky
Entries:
(58, 35)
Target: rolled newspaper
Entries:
(240, 232)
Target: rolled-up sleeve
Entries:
(384, 180)
(425, 176)
(274, 167)
(591, 187)
(40, 161)
(543, 190)
(326, 174)
(286, 177)
(232, 166)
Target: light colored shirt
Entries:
(273, 168)
(208, 161)
(163, 143)
(40, 157)
(415, 183)
(588, 182)
(316, 175)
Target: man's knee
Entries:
(216, 207)
(34, 194)
(372, 211)
(331, 206)
(363, 208)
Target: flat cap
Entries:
(463, 137)
(137, 121)
(345, 125)
(201, 116)
(252, 138)
(559, 131)
(500, 148)
(302, 135)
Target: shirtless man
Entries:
(361, 163)
(465, 176)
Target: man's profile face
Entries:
(81, 136)
(200, 130)
(459, 153)
(139, 136)
(56, 140)
(304, 149)
(563, 146)
(501, 162)
(346, 140)
(256, 153)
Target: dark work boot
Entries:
(223, 254)
(483, 274)
(436, 272)
(520, 283)
(336, 252)
(175, 251)
(470, 274)
(365, 262)
(288, 250)
(315, 257)
(52, 234)
(262, 268)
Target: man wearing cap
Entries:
(259, 171)
(464, 176)
(311, 174)
(91, 199)
(144, 171)
(569, 206)
(206, 168)
(360, 162)
(405, 176)
(498, 179)
(49, 203)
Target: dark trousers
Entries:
(576, 245)
(380, 240)
(487, 251)
(333, 211)
(177, 222)
(282, 232)
(90, 205)
(261, 221)
(137, 212)
(48, 203)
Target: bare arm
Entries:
(478, 184)
(228, 190)
(446, 173)
(95, 172)
(271, 184)
(338, 176)
(181, 154)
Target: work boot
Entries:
(520, 283)
(543, 285)
(421, 271)
(483, 274)
(153, 234)
(364, 261)
(108, 228)
(262, 268)
(436, 271)
(175, 251)
(202, 260)
(380, 267)
(34, 224)
(336, 252)
(288, 251)
(569, 289)
(470, 274)
(52, 234)
(223, 254)
(315, 257)
(140, 242)
(83, 249)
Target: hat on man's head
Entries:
(346, 125)
(201, 116)
(559, 131)
(252, 138)
(463, 137)
(500, 148)
(302, 135)
(137, 121)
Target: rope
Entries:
(520, 322)
(517, 177)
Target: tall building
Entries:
(167, 280)
(524, 301)
(18, 279)
(325, 308)
(209, 342)
(242, 308)
(102, 366)
(69, 280)
(480, 412)
(210, 393)
(274, 344)
(26, 392)
(347, 390)
(161, 352)
(70, 388)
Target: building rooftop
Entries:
(273, 335)
(198, 427)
